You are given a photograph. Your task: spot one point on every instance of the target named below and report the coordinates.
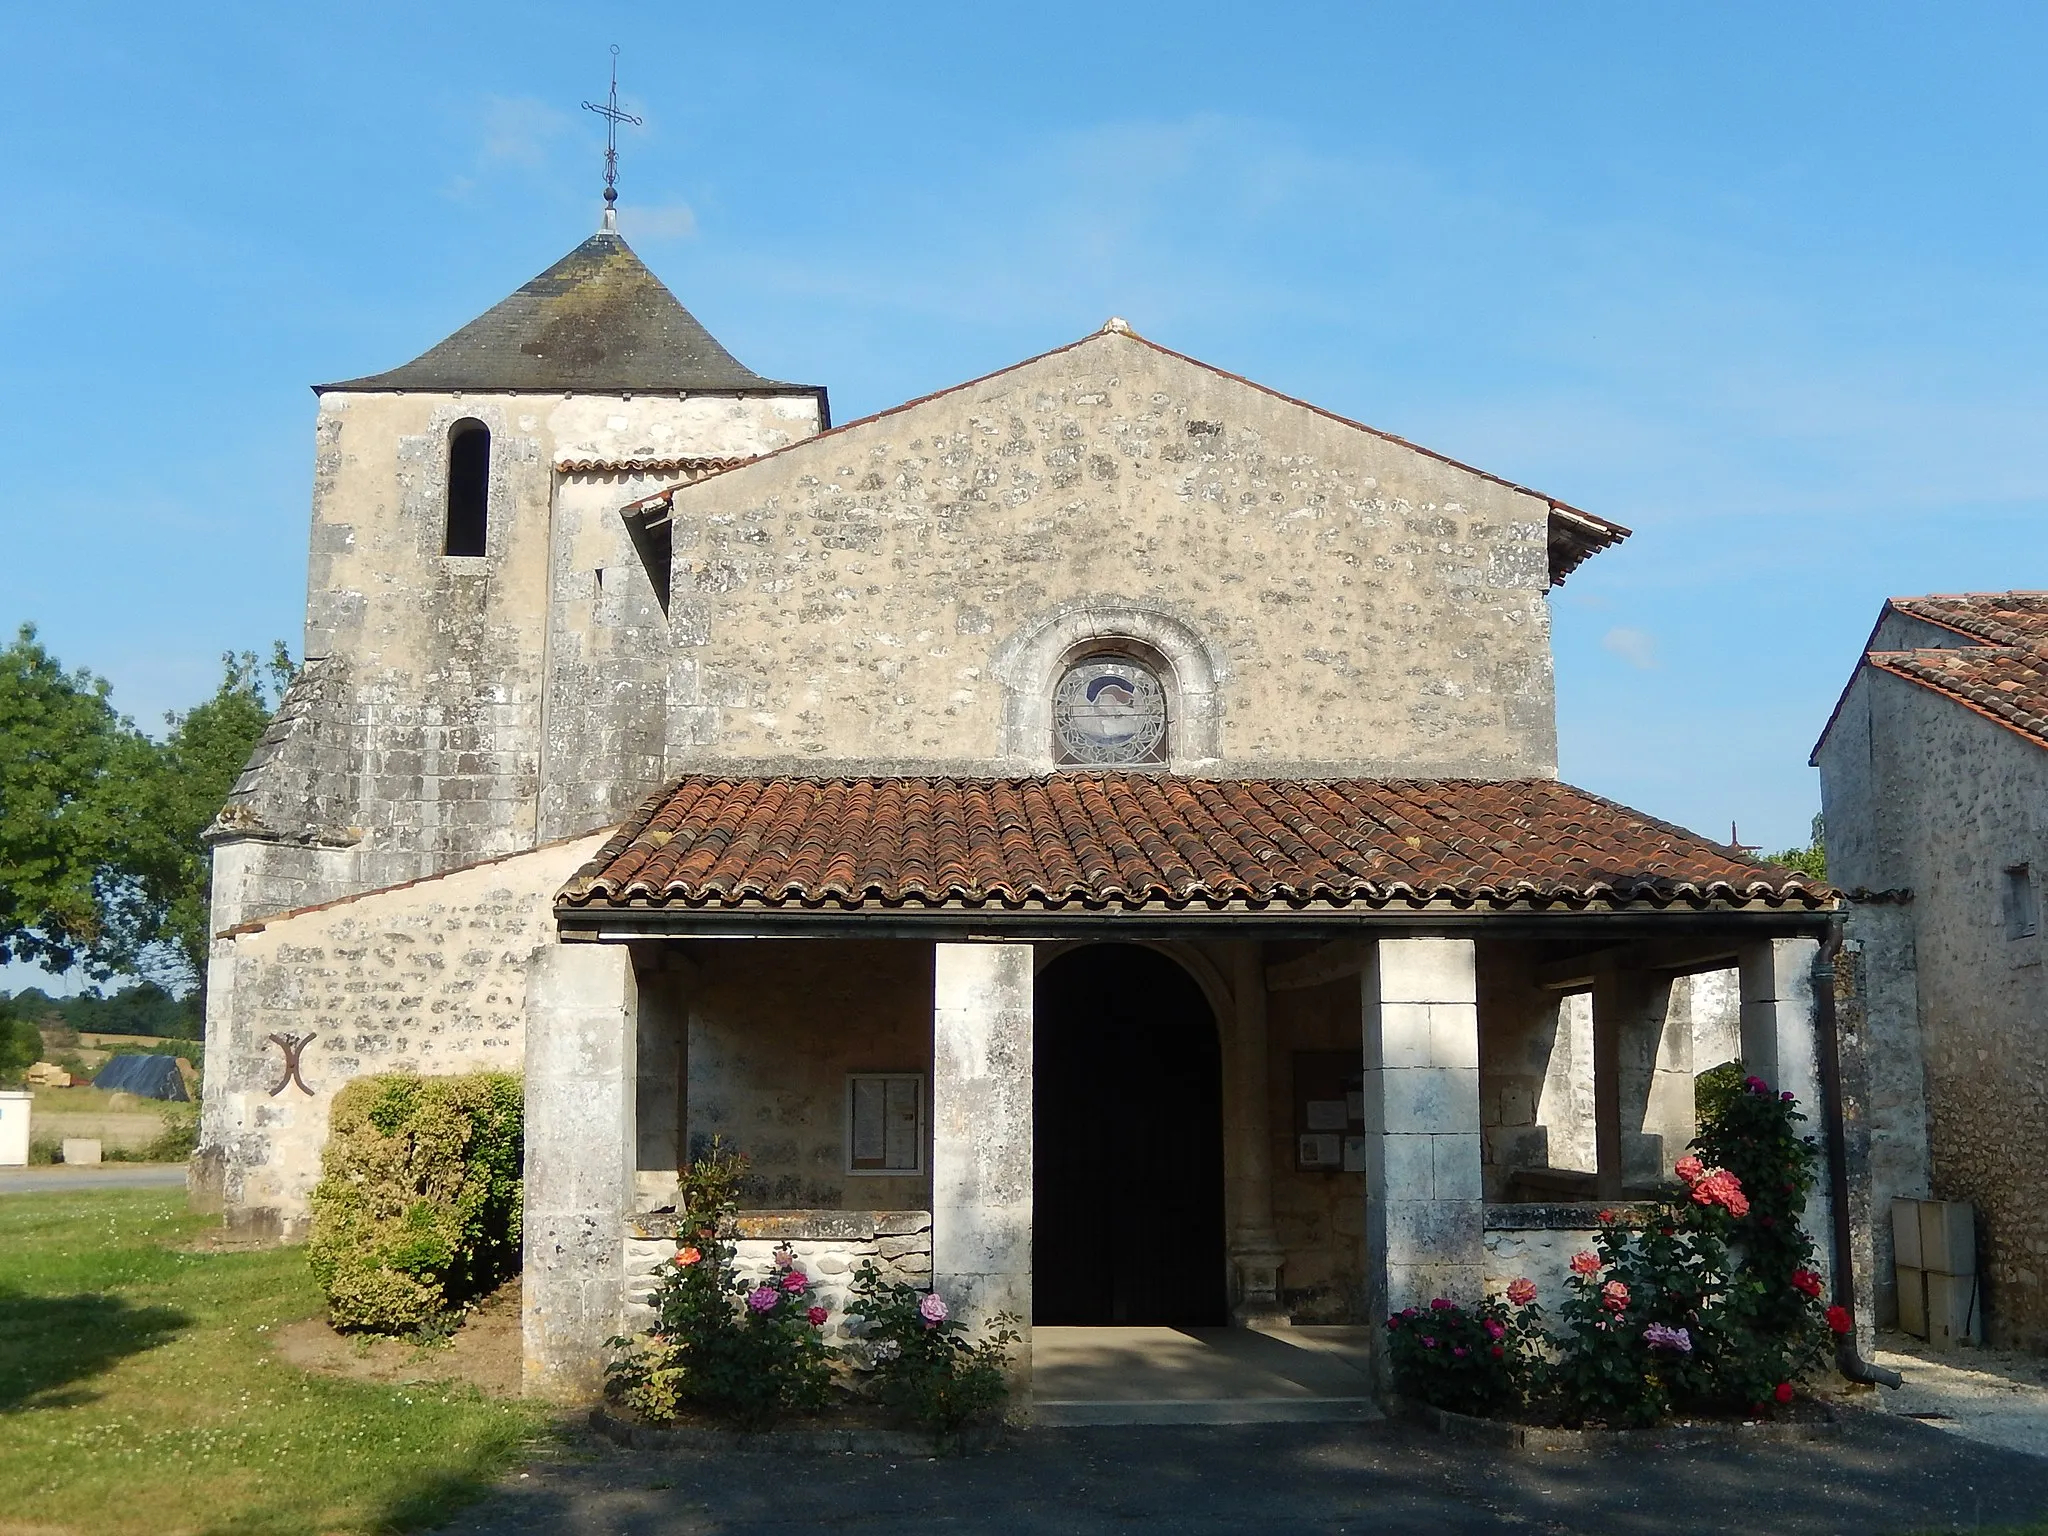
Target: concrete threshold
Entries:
(1136, 1375)
(1242, 1410)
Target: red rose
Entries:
(1497, 1351)
(1840, 1320)
(1784, 1392)
(1806, 1282)
(816, 1317)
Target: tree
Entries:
(60, 745)
(21, 1045)
(165, 902)
(1811, 860)
(100, 860)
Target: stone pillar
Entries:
(1609, 1008)
(1884, 1092)
(1424, 1213)
(1248, 1146)
(1781, 1045)
(981, 1136)
(581, 1022)
(662, 1089)
(1652, 1057)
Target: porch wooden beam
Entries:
(1671, 957)
(1335, 960)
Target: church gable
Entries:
(907, 592)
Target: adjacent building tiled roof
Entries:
(1997, 618)
(1090, 841)
(2007, 684)
(2003, 675)
(596, 320)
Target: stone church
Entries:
(1090, 835)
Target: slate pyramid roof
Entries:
(597, 320)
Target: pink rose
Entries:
(1585, 1262)
(1689, 1168)
(1717, 1186)
(761, 1298)
(932, 1309)
(816, 1316)
(1522, 1291)
(687, 1257)
(795, 1282)
(1614, 1296)
(1494, 1328)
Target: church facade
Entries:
(1090, 836)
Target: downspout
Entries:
(1848, 1359)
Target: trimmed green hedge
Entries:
(417, 1209)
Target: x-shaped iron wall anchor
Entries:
(292, 1046)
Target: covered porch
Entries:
(1142, 1112)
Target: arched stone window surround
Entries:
(1031, 662)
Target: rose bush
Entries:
(1486, 1359)
(748, 1352)
(1707, 1303)
(926, 1371)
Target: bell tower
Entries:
(486, 653)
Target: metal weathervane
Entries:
(609, 111)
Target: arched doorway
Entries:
(1127, 1220)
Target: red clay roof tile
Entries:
(1134, 840)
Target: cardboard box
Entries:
(1948, 1237)
(1954, 1315)
(1912, 1301)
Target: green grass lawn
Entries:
(138, 1394)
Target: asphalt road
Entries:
(1877, 1474)
(46, 1178)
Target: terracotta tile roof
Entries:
(695, 465)
(2004, 683)
(1997, 618)
(2003, 676)
(1083, 841)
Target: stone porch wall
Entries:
(1538, 1241)
(830, 1247)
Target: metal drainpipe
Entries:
(1848, 1359)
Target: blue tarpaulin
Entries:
(147, 1077)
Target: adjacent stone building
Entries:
(1934, 785)
(1090, 835)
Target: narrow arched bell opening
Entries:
(469, 489)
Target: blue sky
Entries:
(1764, 282)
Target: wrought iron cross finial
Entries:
(609, 111)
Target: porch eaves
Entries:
(1134, 846)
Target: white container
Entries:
(14, 1117)
(81, 1149)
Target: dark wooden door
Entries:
(1127, 1221)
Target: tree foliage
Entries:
(1812, 860)
(100, 860)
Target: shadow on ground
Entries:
(1877, 1475)
(51, 1345)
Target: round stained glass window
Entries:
(1109, 710)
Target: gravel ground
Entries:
(1990, 1395)
(1878, 1473)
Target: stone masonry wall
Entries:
(469, 707)
(1318, 1216)
(830, 1247)
(847, 605)
(1931, 797)
(775, 1027)
(426, 978)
